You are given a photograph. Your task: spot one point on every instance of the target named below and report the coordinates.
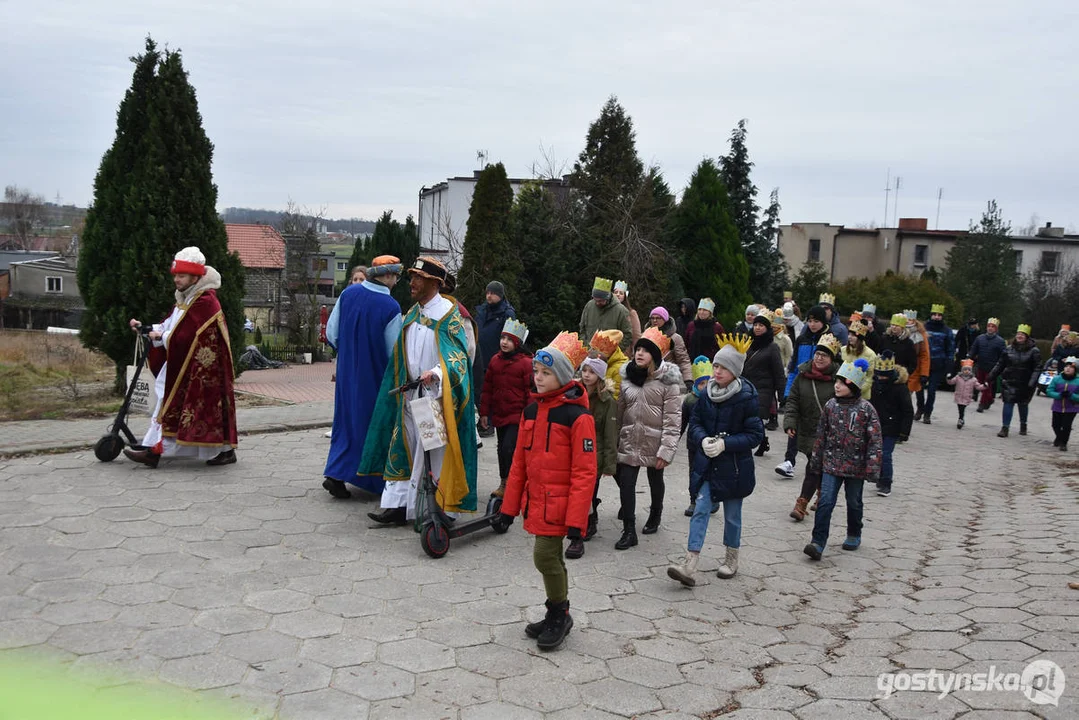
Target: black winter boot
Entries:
(651, 525)
(629, 533)
(533, 630)
(559, 623)
(1022, 428)
(593, 520)
(763, 447)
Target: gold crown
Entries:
(777, 317)
(831, 342)
(603, 285)
(740, 342)
(858, 328)
(606, 341)
(766, 314)
(884, 364)
(702, 367)
(827, 299)
(993, 321)
(1023, 328)
(655, 336)
(570, 345)
(937, 309)
(967, 363)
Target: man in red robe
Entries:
(192, 361)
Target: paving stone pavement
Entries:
(249, 583)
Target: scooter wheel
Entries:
(435, 540)
(108, 448)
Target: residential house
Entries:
(911, 248)
(443, 214)
(262, 253)
(42, 291)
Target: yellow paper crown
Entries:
(655, 336)
(788, 294)
(831, 342)
(858, 328)
(740, 342)
(603, 285)
(936, 309)
(884, 364)
(993, 321)
(1024, 328)
(899, 319)
(827, 299)
(570, 345)
(702, 367)
(606, 341)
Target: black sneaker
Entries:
(575, 549)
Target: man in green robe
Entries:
(433, 349)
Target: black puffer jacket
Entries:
(1018, 372)
(764, 368)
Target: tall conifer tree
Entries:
(488, 254)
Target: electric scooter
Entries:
(435, 527)
(108, 448)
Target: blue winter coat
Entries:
(490, 320)
(731, 474)
(837, 328)
(941, 342)
(986, 350)
(805, 345)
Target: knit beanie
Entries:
(818, 313)
(595, 365)
(763, 319)
(563, 356)
(652, 348)
(751, 309)
(189, 261)
(660, 312)
(497, 288)
(733, 354)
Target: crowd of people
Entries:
(607, 400)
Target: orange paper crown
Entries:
(570, 345)
(967, 363)
(657, 338)
(606, 341)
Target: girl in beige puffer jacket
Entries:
(649, 419)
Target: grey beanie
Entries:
(753, 309)
(558, 363)
(729, 357)
(497, 288)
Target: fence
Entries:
(290, 353)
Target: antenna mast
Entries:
(895, 205)
(887, 191)
(940, 194)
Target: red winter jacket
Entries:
(554, 467)
(506, 387)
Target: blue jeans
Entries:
(1009, 408)
(829, 491)
(938, 369)
(886, 462)
(702, 511)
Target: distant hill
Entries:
(253, 216)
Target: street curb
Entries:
(55, 449)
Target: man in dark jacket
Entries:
(985, 351)
(490, 317)
(832, 320)
(941, 355)
(964, 339)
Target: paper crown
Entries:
(763, 312)
(606, 341)
(570, 346)
(655, 336)
(937, 309)
(707, 304)
(899, 319)
(777, 317)
(993, 321)
(830, 343)
(602, 285)
(858, 328)
(826, 299)
(702, 367)
(884, 363)
(621, 285)
(788, 295)
(1071, 360)
(869, 309)
(1066, 327)
(738, 341)
(855, 316)
(910, 314)
(966, 362)
(1023, 328)
(854, 372)
(515, 328)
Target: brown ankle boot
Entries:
(500, 490)
(799, 511)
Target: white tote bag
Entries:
(430, 422)
(144, 398)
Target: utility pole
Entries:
(887, 191)
(895, 205)
(940, 194)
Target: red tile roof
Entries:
(259, 246)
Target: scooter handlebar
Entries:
(406, 387)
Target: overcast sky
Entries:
(353, 106)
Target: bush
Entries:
(258, 335)
(893, 293)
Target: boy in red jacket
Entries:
(506, 386)
(553, 476)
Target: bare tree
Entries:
(24, 212)
(452, 239)
(299, 227)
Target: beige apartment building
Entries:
(911, 248)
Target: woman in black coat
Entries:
(1018, 370)
(764, 368)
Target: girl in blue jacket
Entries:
(1064, 389)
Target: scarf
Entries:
(636, 374)
(759, 342)
(210, 281)
(813, 374)
(719, 394)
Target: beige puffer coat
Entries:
(650, 417)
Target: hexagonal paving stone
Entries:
(417, 655)
(322, 704)
(494, 661)
(306, 624)
(202, 672)
(172, 643)
(541, 692)
(155, 615)
(232, 620)
(73, 613)
(94, 637)
(279, 601)
(339, 651)
(21, 633)
(620, 697)
(719, 676)
(645, 671)
(374, 681)
(137, 594)
(456, 686)
(290, 675)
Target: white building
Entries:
(443, 214)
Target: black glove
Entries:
(924, 379)
(502, 521)
(573, 533)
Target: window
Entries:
(921, 255)
(1018, 261)
(1050, 264)
(54, 284)
(319, 264)
(814, 249)
(342, 266)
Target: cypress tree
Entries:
(707, 239)
(981, 270)
(153, 195)
(488, 254)
(390, 238)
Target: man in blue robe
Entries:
(363, 328)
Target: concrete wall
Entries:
(29, 280)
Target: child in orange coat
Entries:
(553, 476)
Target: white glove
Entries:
(712, 446)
